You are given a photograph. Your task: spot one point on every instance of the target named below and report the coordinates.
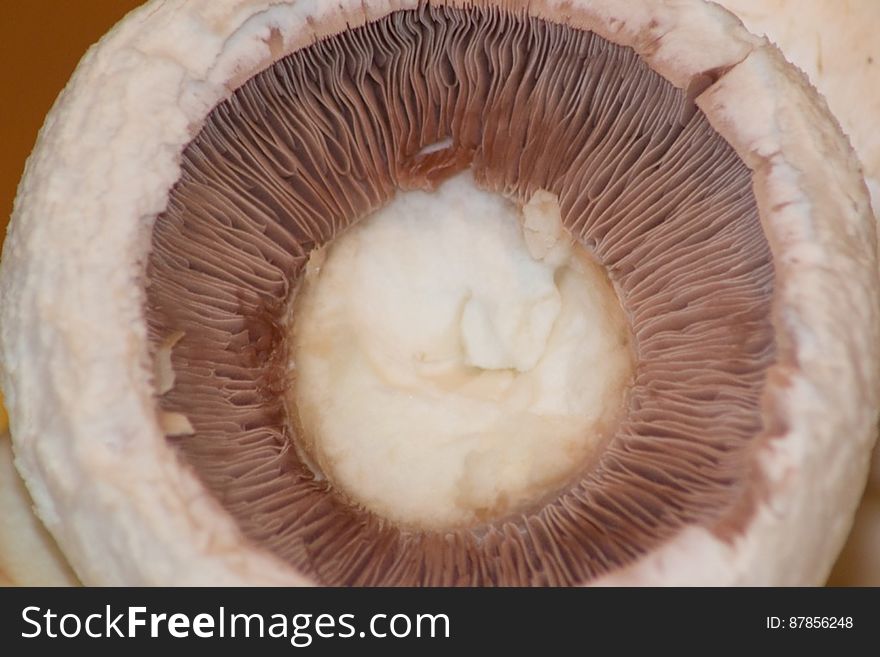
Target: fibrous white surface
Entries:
(455, 362)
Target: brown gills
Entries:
(324, 137)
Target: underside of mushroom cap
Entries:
(84, 413)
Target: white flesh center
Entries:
(456, 358)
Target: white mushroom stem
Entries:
(455, 363)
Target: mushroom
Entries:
(197, 184)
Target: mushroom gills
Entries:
(326, 136)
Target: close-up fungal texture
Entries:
(325, 137)
(442, 294)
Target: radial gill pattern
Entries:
(325, 136)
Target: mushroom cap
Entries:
(73, 338)
(836, 48)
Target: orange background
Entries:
(41, 42)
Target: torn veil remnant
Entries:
(687, 199)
